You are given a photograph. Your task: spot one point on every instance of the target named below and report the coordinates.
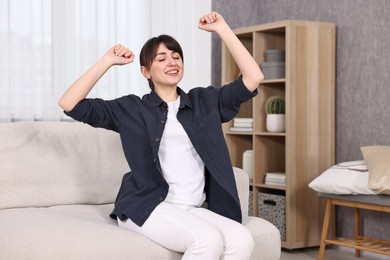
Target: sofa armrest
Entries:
(242, 182)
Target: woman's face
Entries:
(167, 68)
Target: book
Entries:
(241, 129)
(276, 175)
(243, 120)
(275, 183)
(242, 124)
(275, 178)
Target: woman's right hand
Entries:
(119, 55)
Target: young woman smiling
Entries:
(174, 144)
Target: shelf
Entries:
(238, 133)
(273, 81)
(363, 243)
(269, 134)
(238, 143)
(268, 186)
(306, 148)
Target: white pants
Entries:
(197, 232)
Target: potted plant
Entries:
(275, 110)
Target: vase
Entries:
(247, 163)
(275, 123)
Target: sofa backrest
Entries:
(58, 163)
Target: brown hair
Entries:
(149, 51)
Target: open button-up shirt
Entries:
(140, 123)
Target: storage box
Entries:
(272, 207)
(274, 55)
(250, 203)
(274, 70)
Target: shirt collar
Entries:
(155, 100)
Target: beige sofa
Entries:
(58, 182)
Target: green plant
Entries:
(275, 105)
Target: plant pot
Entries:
(275, 123)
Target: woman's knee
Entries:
(208, 242)
(246, 242)
(240, 246)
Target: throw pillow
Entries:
(347, 178)
(377, 158)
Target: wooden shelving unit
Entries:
(307, 147)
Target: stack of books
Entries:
(242, 125)
(275, 178)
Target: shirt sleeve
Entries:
(96, 112)
(231, 96)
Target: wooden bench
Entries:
(359, 241)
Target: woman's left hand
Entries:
(211, 22)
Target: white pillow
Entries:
(344, 178)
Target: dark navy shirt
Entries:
(141, 122)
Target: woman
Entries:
(174, 144)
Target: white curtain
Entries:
(47, 44)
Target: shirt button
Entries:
(154, 159)
(160, 198)
(162, 122)
(157, 139)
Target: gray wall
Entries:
(362, 68)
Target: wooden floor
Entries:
(331, 253)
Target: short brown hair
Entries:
(149, 51)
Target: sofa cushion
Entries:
(72, 232)
(52, 163)
(86, 232)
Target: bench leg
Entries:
(357, 229)
(325, 227)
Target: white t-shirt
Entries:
(181, 165)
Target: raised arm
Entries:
(250, 70)
(117, 55)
